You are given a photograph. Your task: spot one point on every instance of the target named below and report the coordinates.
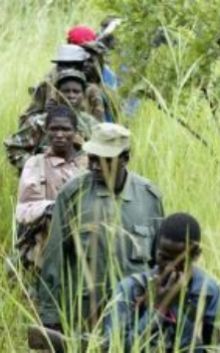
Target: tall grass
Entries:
(187, 173)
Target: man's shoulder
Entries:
(134, 285)
(203, 282)
(33, 120)
(146, 184)
(76, 183)
(34, 161)
(136, 279)
(88, 118)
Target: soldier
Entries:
(69, 88)
(100, 99)
(68, 56)
(175, 305)
(103, 227)
(42, 177)
(81, 35)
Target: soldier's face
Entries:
(106, 170)
(90, 67)
(72, 91)
(60, 133)
(173, 254)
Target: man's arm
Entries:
(21, 145)
(32, 202)
(95, 102)
(51, 283)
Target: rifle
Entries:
(40, 337)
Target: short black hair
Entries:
(61, 111)
(74, 79)
(179, 227)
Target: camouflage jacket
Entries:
(98, 101)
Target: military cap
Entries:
(108, 140)
(70, 73)
(70, 52)
(96, 47)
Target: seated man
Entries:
(42, 178)
(30, 139)
(173, 306)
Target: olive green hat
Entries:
(70, 73)
(108, 140)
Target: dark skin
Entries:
(61, 133)
(174, 260)
(90, 68)
(109, 41)
(73, 92)
(63, 65)
(110, 172)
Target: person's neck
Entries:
(67, 154)
(118, 185)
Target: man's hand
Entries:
(167, 286)
(45, 338)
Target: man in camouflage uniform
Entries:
(69, 88)
(103, 227)
(67, 56)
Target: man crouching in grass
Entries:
(175, 305)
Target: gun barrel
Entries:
(45, 338)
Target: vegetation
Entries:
(177, 80)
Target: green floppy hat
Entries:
(108, 140)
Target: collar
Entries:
(56, 161)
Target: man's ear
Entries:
(196, 250)
(126, 157)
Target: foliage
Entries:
(171, 43)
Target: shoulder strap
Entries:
(138, 277)
(41, 163)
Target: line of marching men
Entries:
(110, 255)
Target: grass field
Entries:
(187, 172)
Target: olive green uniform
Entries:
(96, 238)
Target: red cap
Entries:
(80, 35)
